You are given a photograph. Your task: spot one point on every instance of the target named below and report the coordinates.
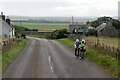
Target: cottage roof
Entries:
(81, 30)
(2, 22)
(102, 26)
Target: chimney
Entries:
(72, 20)
(2, 16)
(8, 20)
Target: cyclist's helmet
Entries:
(77, 40)
(83, 41)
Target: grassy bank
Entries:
(107, 62)
(10, 55)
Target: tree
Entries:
(59, 34)
(18, 30)
(116, 24)
(88, 22)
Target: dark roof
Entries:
(80, 30)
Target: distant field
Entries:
(42, 25)
(105, 40)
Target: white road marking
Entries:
(49, 58)
(51, 69)
(51, 64)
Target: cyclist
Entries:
(77, 47)
(82, 48)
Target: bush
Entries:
(58, 34)
(18, 29)
(92, 32)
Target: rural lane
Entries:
(42, 58)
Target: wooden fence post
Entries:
(102, 46)
(117, 53)
(113, 51)
(97, 41)
(106, 48)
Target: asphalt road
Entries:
(42, 58)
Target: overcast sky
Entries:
(64, 8)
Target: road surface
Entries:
(42, 58)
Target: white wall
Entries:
(13, 33)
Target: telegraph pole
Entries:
(20, 23)
(72, 20)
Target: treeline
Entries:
(26, 29)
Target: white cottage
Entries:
(6, 31)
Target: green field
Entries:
(34, 25)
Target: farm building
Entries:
(76, 27)
(6, 31)
(72, 27)
(106, 29)
(80, 31)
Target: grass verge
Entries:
(68, 42)
(0, 63)
(107, 62)
(10, 55)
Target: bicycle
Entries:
(82, 53)
(77, 52)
